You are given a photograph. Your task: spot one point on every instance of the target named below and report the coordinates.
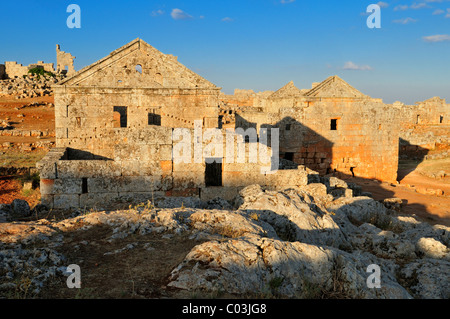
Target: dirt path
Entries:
(431, 208)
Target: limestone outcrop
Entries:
(294, 243)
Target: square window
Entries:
(333, 125)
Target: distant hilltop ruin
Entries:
(64, 62)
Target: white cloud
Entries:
(227, 19)
(415, 5)
(437, 38)
(401, 7)
(178, 14)
(156, 13)
(383, 4)
(287, 1)
(448, 13)
(352, 66)
(420, 5)
(438, 11)
(405, 21)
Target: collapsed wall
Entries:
(425, 128)
(64, 62)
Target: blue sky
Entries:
(253, 44)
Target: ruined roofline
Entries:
(287, 91)
(335, 80)
(139, 43)
(91, 66)
(434, 99)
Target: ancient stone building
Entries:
(116, 135)
(12, 69)
(330, 127)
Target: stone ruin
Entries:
(64, 62)
(115, 142)
(16, 79)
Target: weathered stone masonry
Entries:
(114, 126)
(115, 122)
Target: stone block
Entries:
(67, 186)
(46, 186)
(65, 201)
(47, 168)
(191, 167)
(98, 201)
(244, 178)
(185, 192)
(182, 180)
(165, 152)
(287, 178)
(227, 193)
(47, 200)
(139, 197)
(87, 168)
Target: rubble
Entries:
(29, 86)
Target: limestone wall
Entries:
(364, 143)
(146, 167)
(49, 67)
(425, 127)
(13, 69)
(85, 117)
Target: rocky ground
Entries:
(29, 86)
(297, 243)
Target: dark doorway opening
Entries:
(333, 125)
(289, 156)
(213, 173)
(122, 110)
(84, 185)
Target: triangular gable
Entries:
(137, 64)
(334, 86)
(287, 91)
(435, 99)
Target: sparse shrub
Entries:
(40, 71)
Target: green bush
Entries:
(40, 71)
